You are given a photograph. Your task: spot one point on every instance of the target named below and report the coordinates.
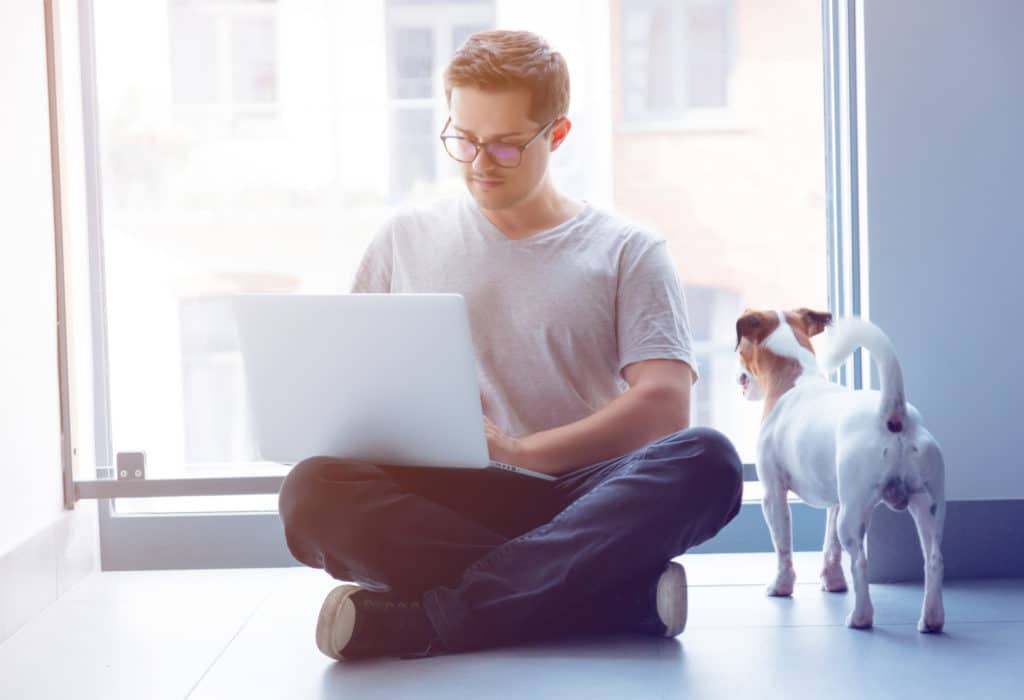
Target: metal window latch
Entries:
(131, 466)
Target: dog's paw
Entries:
(780, 588)
(860, 620)
(931, 623)
(832, 580)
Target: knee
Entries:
(703, 459)
(299, 490)
(312, 495)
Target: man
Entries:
(585, 362)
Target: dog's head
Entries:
(770, 341)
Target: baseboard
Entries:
(188, 541)
(982, 539)
(44, 567)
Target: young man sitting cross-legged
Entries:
(585, 363)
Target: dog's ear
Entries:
(749, 326)
(814, 322)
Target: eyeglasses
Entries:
(505, 155)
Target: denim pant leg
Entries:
(405, 529)
(647, 508)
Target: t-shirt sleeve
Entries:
(651, 309)
(374, 272)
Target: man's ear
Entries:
(749, 326)
(559, 132)
(814, 321)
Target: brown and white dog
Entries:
(843, 450)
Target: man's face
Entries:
(499, 116)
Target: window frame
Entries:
(139, 541)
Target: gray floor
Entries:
(249, 634)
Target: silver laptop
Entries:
(381, 378)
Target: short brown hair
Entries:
(502, 59)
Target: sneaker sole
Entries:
(337, 618)
(672, 607)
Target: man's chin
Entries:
(490, 199)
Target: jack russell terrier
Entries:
(843, 450)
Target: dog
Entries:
(846, 451)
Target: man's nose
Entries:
(483, 161)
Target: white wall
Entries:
(945, 147)
(30, 476)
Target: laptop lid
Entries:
(382, 378)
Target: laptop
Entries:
(381, 378)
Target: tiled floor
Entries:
(232, 634)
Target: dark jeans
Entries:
(498, 557)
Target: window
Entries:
(676, 57)
(223, 57)
(421, 39)
(198, 203)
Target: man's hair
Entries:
(503, 60)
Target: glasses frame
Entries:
(477, 145)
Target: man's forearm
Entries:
(630, 421)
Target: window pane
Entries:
(660, 66)
(193, 38)
(195, 209)
(414, 62)
(217, 425)
(707, 52)
(416, 147)
(741, 200)
(677, 56)
(253, 60)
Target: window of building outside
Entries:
(677, 58)
(421, 38)
(223, 61)
(258, 145)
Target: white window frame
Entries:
(256, 539)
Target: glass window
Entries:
(253, 66)
(414, 62)
(197, 208)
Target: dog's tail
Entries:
(848, 334)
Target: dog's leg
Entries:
(776, 513)
(923, 507)
(852, 524)
(832, 578)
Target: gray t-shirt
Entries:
(554, 317)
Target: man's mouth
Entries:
(486, 184)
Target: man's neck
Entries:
(543, 211)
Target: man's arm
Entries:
(656, 404)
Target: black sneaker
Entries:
(356, 623)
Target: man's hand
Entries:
(502, 447)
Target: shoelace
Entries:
(401, 604)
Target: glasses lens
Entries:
(502, 153)
(460, 149)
